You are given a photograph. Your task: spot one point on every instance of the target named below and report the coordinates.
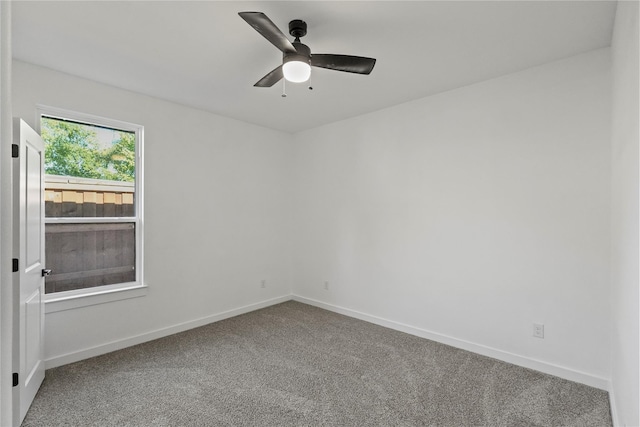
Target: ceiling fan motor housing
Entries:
(302, 54)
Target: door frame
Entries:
(6, 218)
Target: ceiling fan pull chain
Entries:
(284, 88)
(310, 87)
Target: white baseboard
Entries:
(547, 368)
(527, 362)
(159, 333)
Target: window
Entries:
(93, 209)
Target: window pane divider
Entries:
(89, 219)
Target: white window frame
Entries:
(67, 300)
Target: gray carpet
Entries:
(297, 365)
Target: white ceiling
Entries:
(204, 55)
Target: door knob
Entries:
(46, 272)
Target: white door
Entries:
(28, 331)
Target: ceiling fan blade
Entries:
(273, 77)
(348, 63)
(262, 24)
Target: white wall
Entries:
(217, 200)
(469, 215)
(625, 216)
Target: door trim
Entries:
(6, 218)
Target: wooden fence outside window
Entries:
(86, 254)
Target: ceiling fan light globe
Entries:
(296, 71)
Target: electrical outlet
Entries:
(263, 283)
(538, 330)
(326, 286)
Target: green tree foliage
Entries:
(73, 149)
(120, 159)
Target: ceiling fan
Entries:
(296, 57)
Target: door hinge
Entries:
(15, 150)
(15, 379)
(16, 265)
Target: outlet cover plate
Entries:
(538, 330)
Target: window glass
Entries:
(90, 204)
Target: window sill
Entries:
(93, 296)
